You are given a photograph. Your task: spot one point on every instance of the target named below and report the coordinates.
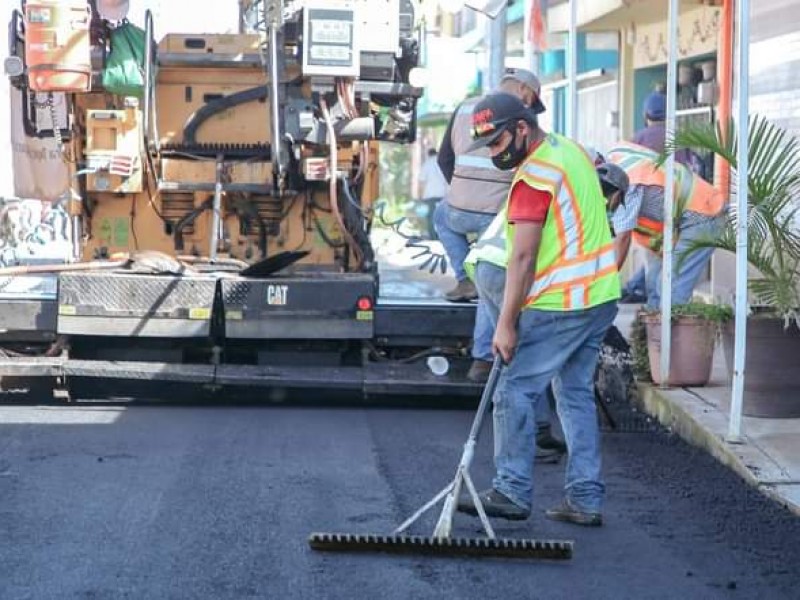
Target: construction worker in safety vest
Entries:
(614, 184)
(559, 299)
(699, 214)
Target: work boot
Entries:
(464, 292)
(495, 504)
(568, 513)
(633, 298)
(547, 441)
(479, 371)
(549, 449)
(548, 456)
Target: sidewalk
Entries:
(768, 456)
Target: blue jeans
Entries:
(685, 278)
(491, 282)
(636, 284)
(564, 346)
(484, 329)
(453, 225)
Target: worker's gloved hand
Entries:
(505, 341)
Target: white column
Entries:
(669, 195)
(571, 123)
(743, 98)
(497, 48)
(528, 51)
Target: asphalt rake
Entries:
(441, 542)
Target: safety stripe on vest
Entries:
(570, 228)
(649, 226)
(623, 161)
(575, 272)
(476, 162)
(639, 151)
(586, 281)
(577, 296)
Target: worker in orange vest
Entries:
(699, 214)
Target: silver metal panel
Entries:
(133, 326)
(129, 304)
(30, 367)
(29, 287)
(140, 371)
(28, 315)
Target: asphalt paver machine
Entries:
(221, 213)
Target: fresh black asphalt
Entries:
(217, 502)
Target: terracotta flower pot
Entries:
(771, 374)
(692, 352)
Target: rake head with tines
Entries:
(406, 544)
(441, 541)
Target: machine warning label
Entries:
(200, 313)
(277, 295)
(67, 310)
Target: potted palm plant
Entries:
(695, 329)
(772, 382)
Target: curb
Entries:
(697, 422)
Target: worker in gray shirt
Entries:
(477, 188)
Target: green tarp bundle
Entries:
(123, 73)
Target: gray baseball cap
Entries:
(527, 78)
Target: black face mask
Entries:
(511, 157)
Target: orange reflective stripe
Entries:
(649, 225)
(563, 287)
(566, 263)
(576, 272)
(565, 181)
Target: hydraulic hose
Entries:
(217, 106)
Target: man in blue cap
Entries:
(653, 136)
(654, 133)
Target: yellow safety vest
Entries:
(576, 266)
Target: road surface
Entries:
(217, 502)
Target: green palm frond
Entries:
(704, 137)
(773, 204)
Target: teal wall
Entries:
(554, 61)
(644, 82)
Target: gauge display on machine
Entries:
(329, 39)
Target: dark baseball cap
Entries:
(530, 80)
(492, 115)
(614, 176)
